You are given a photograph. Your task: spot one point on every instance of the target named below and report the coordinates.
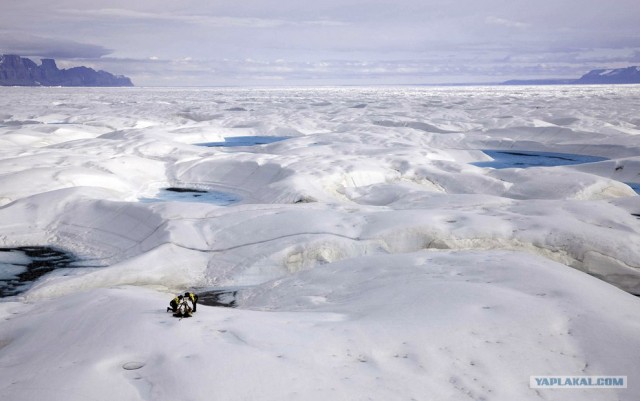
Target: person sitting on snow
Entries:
(173, 305)
(184, 310)
(193, 298)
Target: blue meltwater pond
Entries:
(525, 158)
(244, 141)
(193, 195)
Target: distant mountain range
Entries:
(628, 75)
(19, 71)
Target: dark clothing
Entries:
(173, 305)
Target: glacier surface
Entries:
(371, 257)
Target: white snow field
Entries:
(371, 260)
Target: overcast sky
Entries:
(291, 42)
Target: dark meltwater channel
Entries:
(21, 266)
(225, 297)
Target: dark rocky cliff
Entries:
(18, 71)
(628, 75)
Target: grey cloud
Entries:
(505, 22)
(203, 42)
(217, 21)
(37, 46)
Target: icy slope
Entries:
(453, 325)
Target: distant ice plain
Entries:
(397, 268)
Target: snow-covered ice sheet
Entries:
(374, 260)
